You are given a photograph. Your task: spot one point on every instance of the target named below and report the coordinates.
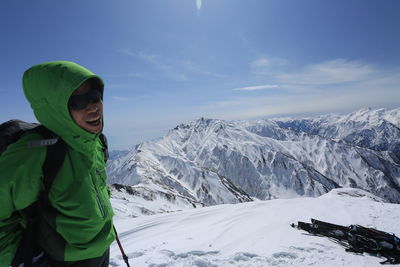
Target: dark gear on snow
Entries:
(357, 239)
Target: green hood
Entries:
(48, 87)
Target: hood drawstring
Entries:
(121, 248)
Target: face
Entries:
(89, 118)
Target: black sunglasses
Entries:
(78, 102)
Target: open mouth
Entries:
(95, 122)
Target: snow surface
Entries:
(251, 234)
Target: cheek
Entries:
(76, 116)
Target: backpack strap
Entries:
(55, 156)
(56, 151)
(104, 141)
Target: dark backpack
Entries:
(10, 132)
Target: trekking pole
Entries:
(121, 248)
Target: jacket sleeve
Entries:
(20, 183)
(21, 175)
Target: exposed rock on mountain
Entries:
(208, 162)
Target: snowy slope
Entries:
(252, 234)
(209, 162)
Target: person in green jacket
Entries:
(67, 99)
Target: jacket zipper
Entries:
(106, 198)
(98, 197)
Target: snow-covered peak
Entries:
(375, 129)
(209, 162)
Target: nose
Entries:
(93, 107)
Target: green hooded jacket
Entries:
(81, 228)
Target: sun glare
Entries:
(198, 4)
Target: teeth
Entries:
(94, 120)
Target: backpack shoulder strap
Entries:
(55, 155)
(56, 151)
(104, 141)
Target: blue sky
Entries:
(167, 62)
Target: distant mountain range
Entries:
(209, 162)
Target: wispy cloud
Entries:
(329, 72)
(122, 98)
(155, 61)
(149, 57)
(286, 105)
(264, 65)
(178, 76)
(331, 86)
(118, 86)
(324, 73)
(194, 68)
(257, 87)
(167, 69)
(136, 74)
(266, 62)
(213, 74)
(127, 52)
(125, 75)
(177, 70)
(314, 77)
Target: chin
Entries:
(94, 129)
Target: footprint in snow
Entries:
(285, 255)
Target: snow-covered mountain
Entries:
(374, 129)
(256, 234)
(209, 162)
(114, 154)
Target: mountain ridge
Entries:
(211, 161)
